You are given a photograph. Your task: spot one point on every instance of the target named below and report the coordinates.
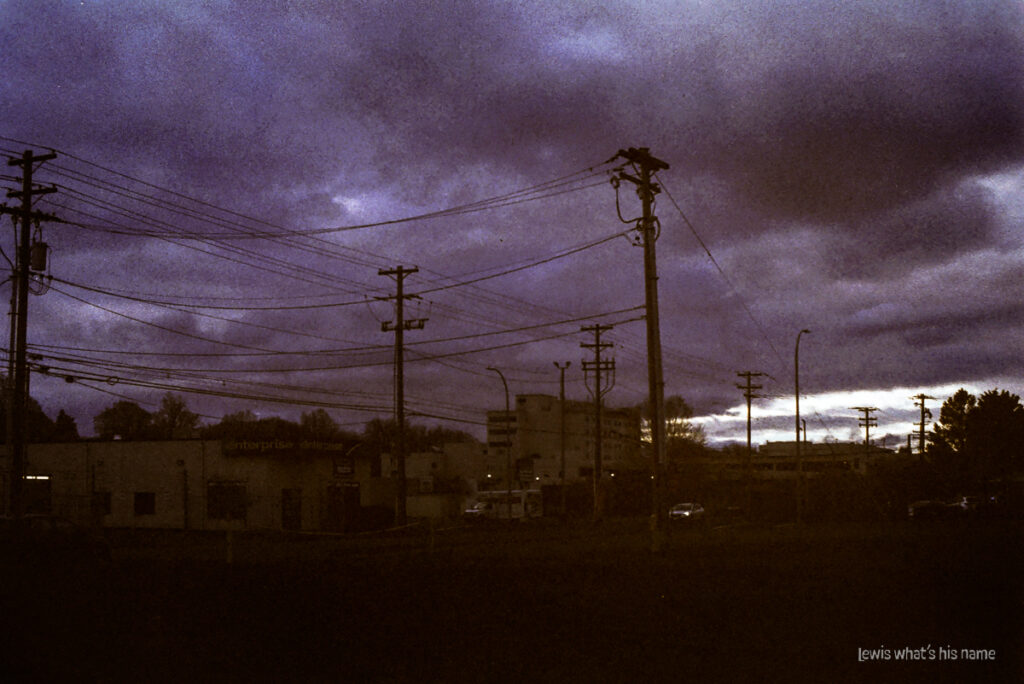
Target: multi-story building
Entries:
(531, 435)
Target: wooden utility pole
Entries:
(400, 326)
(867, 421)
(644, 166)
(749, 393)
(561, 430)
(19, 388)
(800, 482)
(601, 369)
(925, 415)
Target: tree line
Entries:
(127, 421)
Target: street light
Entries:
(508, 444)
(799, 460)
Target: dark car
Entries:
(481, 510)
(929, 510)
(686, 512)
(34, 539)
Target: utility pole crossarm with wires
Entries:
(645, 166)
(399, 326)
(18, 386)
(866, 421)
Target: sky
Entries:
(233, 178)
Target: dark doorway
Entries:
(342, 507)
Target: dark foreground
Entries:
(531, 603)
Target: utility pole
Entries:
(600, 369)
(644, 167)
(800, 485)
(400, 326)
(508, 449)
(925, 415)
(867, 421)
(748, 393)
(19, 388)
(561, 437)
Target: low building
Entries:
(204, 484)
(778, 460)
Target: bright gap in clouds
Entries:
(829, 415)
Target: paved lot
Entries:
(537, 603)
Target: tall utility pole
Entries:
(600, 369)
(644, 167)
(19, 389)
(748, 393)
(867, 421)
(508, 449)
(400, 326)
(799, 457)
(925, 415)
(561, 429)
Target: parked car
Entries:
(968, 504)
(38, 538)
(686, 512)
(930, 510)
(479, 511)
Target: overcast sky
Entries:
(849, 168)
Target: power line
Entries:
(721, 272)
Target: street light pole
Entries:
(799, 458)
(508, 444)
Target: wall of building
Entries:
(535, 432)
(195, 484)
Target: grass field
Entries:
(533, 603)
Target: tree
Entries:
(125, 420)
(683, 439)
(951, 430)
(381, 434)
(64, 428)
(995, 435)
(246, 425)
(38, 426)
(978, 439)
(678, 424)
(318, 425)
(173, 420)
(236, 425)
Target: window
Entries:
(37, 494)
(145, 503)
(226, 501)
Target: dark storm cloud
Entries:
(833, 110)
(807, 109)
(950, 220)
(827, 153)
